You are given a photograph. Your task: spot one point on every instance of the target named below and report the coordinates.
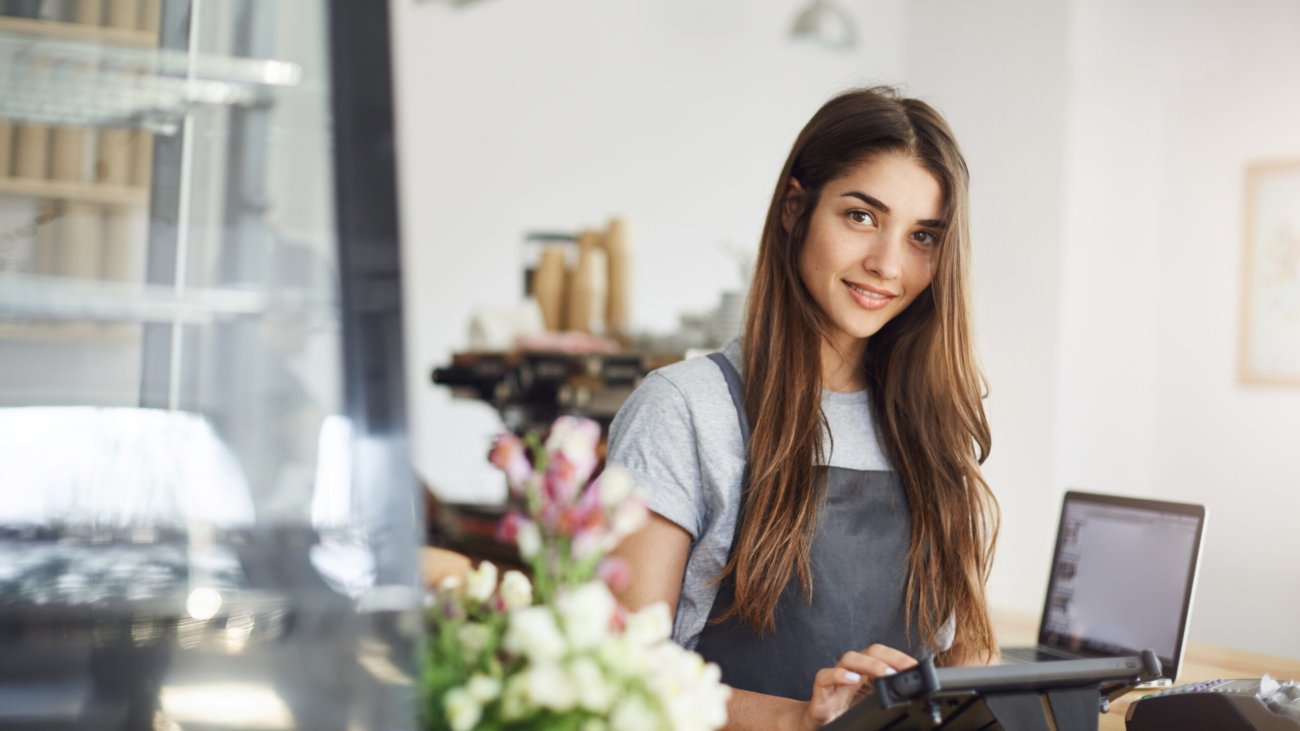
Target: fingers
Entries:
(834, 689)
(836, 677)
(833, 692)
(894, 658)
(876, 661)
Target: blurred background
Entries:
(273, 275)
(1109, 143)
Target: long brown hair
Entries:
(925, 385)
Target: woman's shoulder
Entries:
(693, 389)
(699, 375)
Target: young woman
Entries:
(819, 516)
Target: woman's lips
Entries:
(869, 297)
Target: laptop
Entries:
(1122, 581)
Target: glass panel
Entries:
(181, 544)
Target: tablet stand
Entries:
(1064, 695)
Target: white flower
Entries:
(632, 714)
(549, 687)
(514, 699)
(463, 711)
(516, 592)
(622, 656)
(585, 613)
(450, 583)
(651, 624)
(532, 632)
(484, 689)
(628, 518)
(688, 689)
(529, 539)
(481, 582)
(615, 487)
(473, 638)
(575, 439)
(594, 693)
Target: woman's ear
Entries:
(790, 203)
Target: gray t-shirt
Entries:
(678, 436)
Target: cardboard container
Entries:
(32, 151)
(68, 154)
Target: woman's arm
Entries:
(437, 564)
(834, 691)
(657, 556)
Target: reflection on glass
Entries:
(184, 541)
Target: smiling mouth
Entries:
(868, 293)
(867, 298)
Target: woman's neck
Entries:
(842, 364)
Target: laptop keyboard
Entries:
(1012, 655)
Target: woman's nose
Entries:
(884, 258)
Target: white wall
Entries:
(1230, 446)
(517, 116)
(1106, 140)
(1170, 101)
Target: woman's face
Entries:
(871, 245)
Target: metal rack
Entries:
(62, 82)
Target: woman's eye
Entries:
(925, 238)
(859, 216)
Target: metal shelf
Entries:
(114, 195)
(30, 302)
(70, 332)
(64, 82)
(32, 297)
(80, 32)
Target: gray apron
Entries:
(859, 567)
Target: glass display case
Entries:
(207, 515)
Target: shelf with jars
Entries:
(120, 22)
(85, 99)
(68, 193)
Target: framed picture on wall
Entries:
(1269, 342)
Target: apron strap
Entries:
(737, 400)
(737, 394)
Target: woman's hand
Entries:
(837, 688)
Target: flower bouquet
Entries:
(559, 652)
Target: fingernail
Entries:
(852, 676)
(890, 671)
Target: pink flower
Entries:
(618, 622)
(551, 516)
(591, 497)
(508, 528)
(574, 519)
(576, 439)
(516, 529)
(615, 572)
(562, 482)
(586, 542)
(509, 456)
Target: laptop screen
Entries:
(1122, 577)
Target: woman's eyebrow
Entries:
(866, 199)
(871, 201)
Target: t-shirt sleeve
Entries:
(653, 438)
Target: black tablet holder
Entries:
(1066, 695)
